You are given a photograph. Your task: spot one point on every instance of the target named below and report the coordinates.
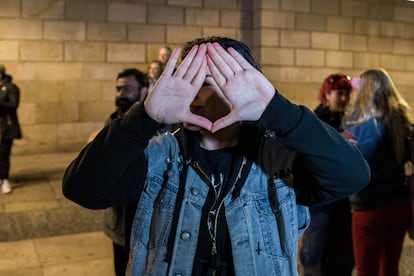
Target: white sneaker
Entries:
(5, 187)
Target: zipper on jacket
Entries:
(210, 182)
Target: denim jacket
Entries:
(264, 221)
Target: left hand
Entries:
(247, 89)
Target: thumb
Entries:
(225, 121)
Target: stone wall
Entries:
(65, 54)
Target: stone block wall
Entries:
(65, 54)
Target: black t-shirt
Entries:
(215, 164)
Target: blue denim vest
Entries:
(264, 221)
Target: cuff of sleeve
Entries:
(281, 115)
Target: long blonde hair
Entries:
(378, 98)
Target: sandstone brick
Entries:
(313, 22)
(81, 91)
(220, 4)
(41, 51)
(276, 56)
(271, 72)
(182, 34)
(87, 10)
(403, 46)
(354, 8)
(99, 31)
(404, 14)
(392, 62)
(294, 39)
(381, 11)
(235, 19)
(126, 52)
(56, 112)
(95, 111)
(64, 30)
(322, 40)
(165, 14)
(339, 24)
(204, 17)
(310, 57)
(295, 74)
(58, 71)
(21, 71)
(394, 29)
(10, 8)
(9, 50)
(339, 59)
(75, 132)
(367, 27)
(380, 44)
(269, 18)
(127, 12)
(12, 29)
(25, 112)
(409, 64)
(37, 91)
(353, 42)
(266, 4)
(295, 5)
(90, 51)
(186, 3)
(146, 33)
(402, 78)
(101, 71)
(366, 60)
(211, 31)
(267, 37)
(326, 7)
(43, 9)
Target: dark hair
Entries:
(141, 78)
(225, 42)
(336, 81)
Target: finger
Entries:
(170, 66)
(223, 122)
(183, 67)
(232, 63)
(196, 63)
(243, 63)
(200, 74)
(215, 72)
(219, 62)
(198, 121)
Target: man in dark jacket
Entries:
(225, 195)
(131, 89)
(9, 125)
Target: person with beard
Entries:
(331, 223)
(131, 89)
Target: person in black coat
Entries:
(9, 125)
(327, 244)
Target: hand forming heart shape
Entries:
(232, 77)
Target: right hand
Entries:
(169, 100)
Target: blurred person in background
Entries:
(327, 244)
(131, 88)
(9, 125)
(164, 54)
(379, 121)
(154, 72)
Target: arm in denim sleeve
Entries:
(328, 168)
(111, 169)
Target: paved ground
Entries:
(36, 217)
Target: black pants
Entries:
(5, 151)
(121, 255)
